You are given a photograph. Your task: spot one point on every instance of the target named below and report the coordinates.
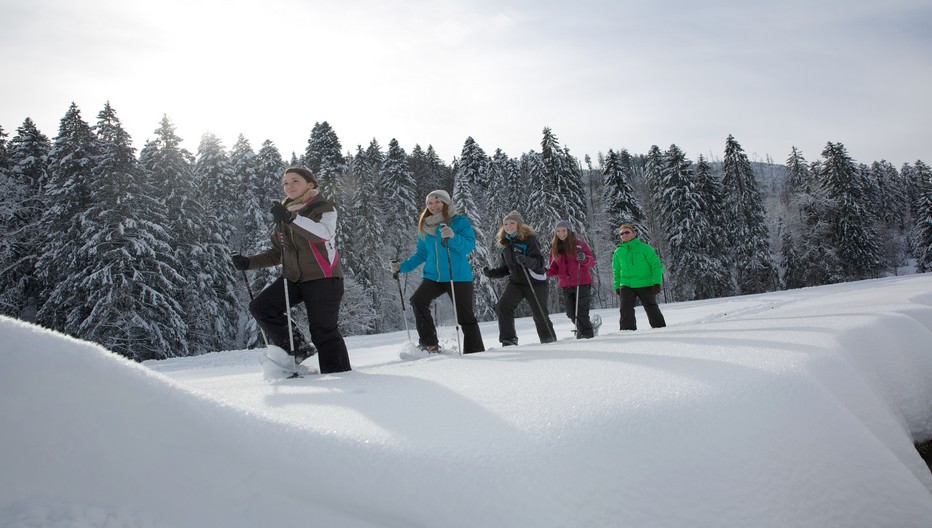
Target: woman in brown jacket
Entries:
(303, 242)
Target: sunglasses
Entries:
(625, 232)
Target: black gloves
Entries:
(281, 213)
(521, 258)
(655, 289)
(580, 256)
(240, 262)
(496, 273)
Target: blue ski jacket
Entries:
(433, 255)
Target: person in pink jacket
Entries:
(570, 260)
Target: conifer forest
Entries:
(131, 249)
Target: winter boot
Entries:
(302, 348)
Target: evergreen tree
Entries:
(799, 179)
(244, 227)
(261, 187)
(194, 240)
(12, 196)
(469, 195)
(923, 176)
(715, 279)
(24, 206)
(67, 190)
(695, 266)
(365, 259)
(401, 205)
(129, 284)
(748, 236)
(853, 235)
(510, 191)
(217, 289)
(892, 205)
(621, 203)
(324, 156)
(429, 171)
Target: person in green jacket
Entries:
(637, 274)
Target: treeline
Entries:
(132, 251)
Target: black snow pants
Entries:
(427, 330)
(322, 298)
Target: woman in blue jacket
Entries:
(440, 227)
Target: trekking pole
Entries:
(401, 295)
(456, 317)
(534, 294)
(578, 269)
(294, 360)
(251, 299)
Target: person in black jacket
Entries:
(526, 268)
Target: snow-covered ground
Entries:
(795, 408)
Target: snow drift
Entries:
(795, 408)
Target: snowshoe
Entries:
(277, 364)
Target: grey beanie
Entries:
(563, 223)
(441, 195)
(514, 215)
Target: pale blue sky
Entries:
(602, 75)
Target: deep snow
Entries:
(795, 408)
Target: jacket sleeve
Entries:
(553, 270)
(270, 257)
(464, 240)
(534, 254)
(324, 229)
(616, 268)
(419, 257)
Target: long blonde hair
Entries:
(523, 233)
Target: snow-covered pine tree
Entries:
(67, 193)
(364, 258)
(575, 204)
(429, 171)
(400, 211)
(26, 170)
(12, 196)
(896, 228)
(512, 193)
(130, 281)
(620, 201)
(559, 196)
(853, 235)
(715, 278)
(799, 179)
(171, 169)
(652, 231)
(923, 175)
(807, 256)
(260, 189)
(470, 192)
(686, 203)
(748, 236)
(401, 205)
(243, 168)
(324, 156)
(218, 287)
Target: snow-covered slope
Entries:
(792, 408)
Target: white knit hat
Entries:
(441, 195)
